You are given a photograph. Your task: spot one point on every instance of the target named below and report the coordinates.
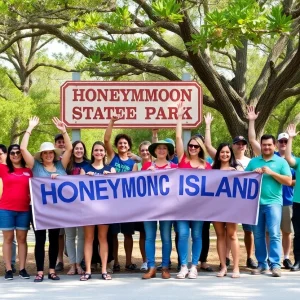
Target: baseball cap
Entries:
(58, 137)
(238, 139)
(283, 135)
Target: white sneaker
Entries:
(144, 267)
(183, 272)
(193, 273)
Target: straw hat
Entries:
(47, 146)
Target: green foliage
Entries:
(168, 10)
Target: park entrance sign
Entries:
(91, 104)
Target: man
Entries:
(3, 155)
(295, 163)
(60, 144)
(287, 191)
(122, 163)
(276, 172)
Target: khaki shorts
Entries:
(286, 221)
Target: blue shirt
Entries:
(122, 165)
(287, 191)
(39, 170)
(90, 168)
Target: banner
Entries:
(171, 194)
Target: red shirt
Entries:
(148, 164)
(186, 164)
(15, 195)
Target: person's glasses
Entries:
(282, 142)
(13, 153)
(193, 146)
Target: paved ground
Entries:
(130, 286)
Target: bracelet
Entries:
(64, 133)
(28, 132)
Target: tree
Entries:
(133, 37)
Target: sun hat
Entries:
(169, 140)
(153, 146)
(48, 146)
(283, 135)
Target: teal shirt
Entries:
(271, 189)
(297, 186)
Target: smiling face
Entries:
(144, 152)
(161, 151)
(78, 151)
(15, 156)
(60, 143)
(281, 145)
(2, 157)
(267, 147)
(48, 156)
(239, 147)
(194, 148)
(98, 152)
(123, 146)
(225, 154)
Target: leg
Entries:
(14, 252)
(79, 249)
(235, 247)
(61, 245)
(39, 250)
(70, 246)
(116, 249)
(142, 246)
(8, 237)
(197, 240)
(287, 230)
(95, 255)
(221, 242)
(183, 229)
(102, 237)
(150, 230)
(53, 248)
(88, 246)
(128, 245)
(248, 240)
(296, 225)
(165, 233)
(22, 247)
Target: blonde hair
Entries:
(203, 152)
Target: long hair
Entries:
(202, 153)
(9, 163)
(217, 162)
(71, 164)
(92, 156)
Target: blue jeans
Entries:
(183, 228)
(165, 233)
(269, 219)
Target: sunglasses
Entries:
(193, 146)
(282, 142)
(13, 153)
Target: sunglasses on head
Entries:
(13, 153)
(193, 146)
(282, 142)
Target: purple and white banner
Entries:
(172, 194)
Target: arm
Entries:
(135, 157)
(291, 130)
(282, 179)
(154, 135)
(252, 116)
(179, 142)
(210, 149)
(135, 168)
(29, 159)
(68, 145)
(107, 136)
(82, 172)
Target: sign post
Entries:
(76, 136)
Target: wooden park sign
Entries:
(91, 104)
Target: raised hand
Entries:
(251, 115)
(180, 110)
(115, 118)
(208, 118)
(59, 124)
(33, 122)
(291, 130)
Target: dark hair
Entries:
(217, 162)
(268, 137)
(95, 144)
(3, 148)
(125, 137)
(9, 163)
(70, 166)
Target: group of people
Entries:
(279, 207)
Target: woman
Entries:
(96, 167)
(14, 208)
(160, 151)
(225, 160)
(139, 226)
(48, 162)
(77, 162)
(194, 158)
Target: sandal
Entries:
(222, 273)
(131, 267)
(235, 275)
(38, 278)
(106, 276)
(53, 276)
(193, 273)
(116, 268)
(72, 271)
(85, 277)
(79, 271)
(183, 272)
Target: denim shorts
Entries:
(247, 227)
(10, 220)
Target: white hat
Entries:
(47, 146)
(283, 135)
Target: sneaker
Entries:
(287, 264)
(23, 274)
(9, 275)
(59, 267)
(193, 273)
(144, 267)
(276, 272)
(251, 264)
(260, 271)
(13, 268)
